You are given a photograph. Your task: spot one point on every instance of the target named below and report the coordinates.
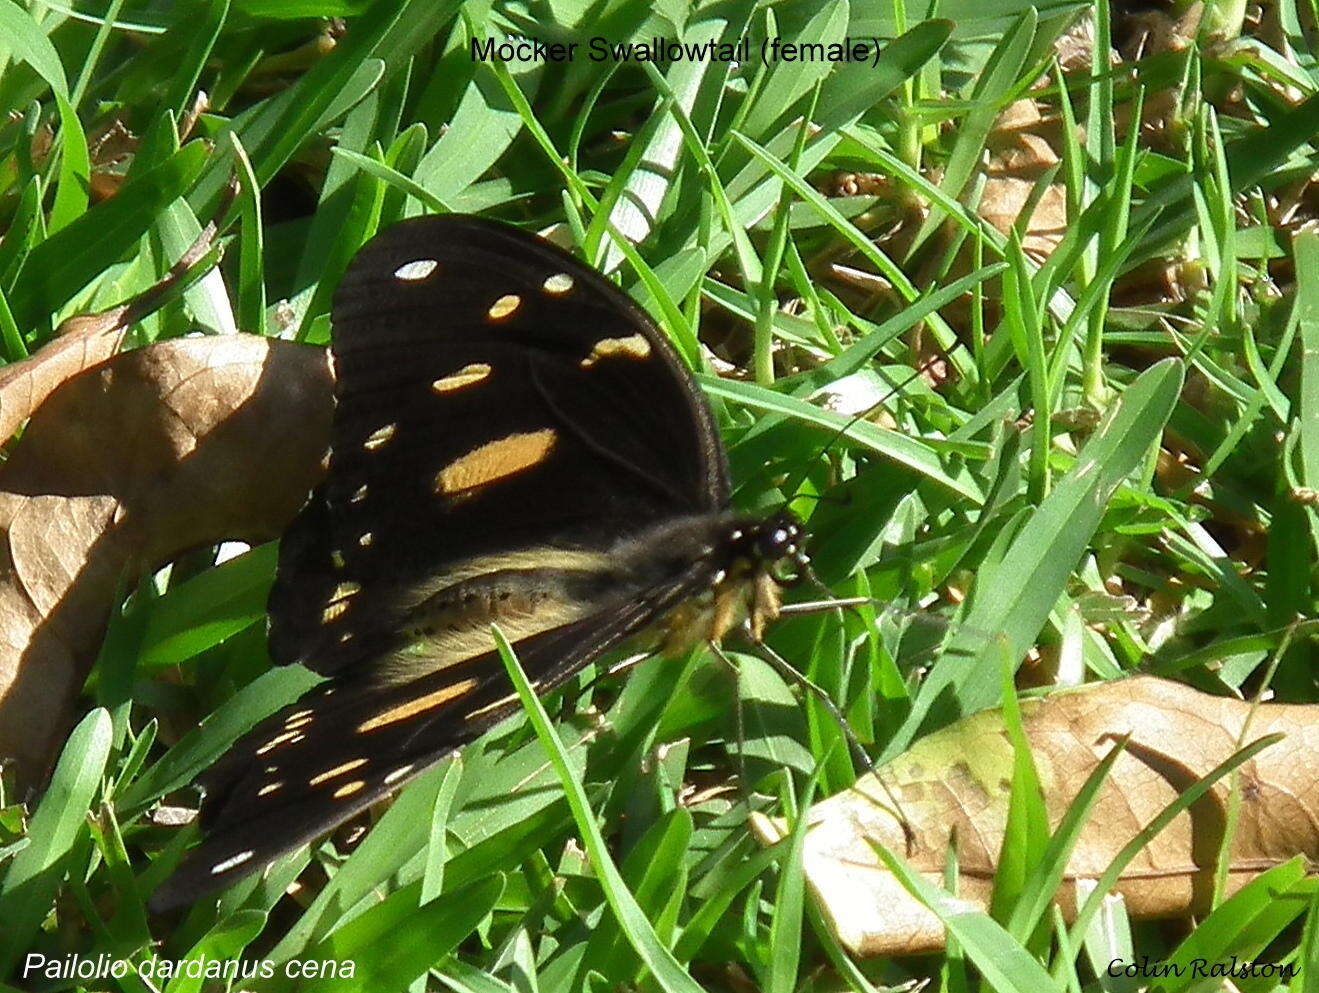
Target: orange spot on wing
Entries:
(468, 375)
(495, 460)
(420, 705)
(634, 346)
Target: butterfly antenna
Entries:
(841, 432)
(823, 606)
(829, 603)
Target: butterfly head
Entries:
(775, 545)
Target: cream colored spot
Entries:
(634, 346)
(379, 437)
(338, 770)
(468, 375)
(230, 863)
(293, 723)
(348, 789)
(336, 559)
(494, 460)
(504, 306)
(359, 495)
(366, 539)
(415, 270)
(268, 789)
(279, 739)
(558, 284)
(399, 773)
(412, 707)
(482, 711)
(340, 601)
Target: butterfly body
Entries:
(514, 443)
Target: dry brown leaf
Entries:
(1022, 141)
(84, 340)
(952, 788)
(180, 444)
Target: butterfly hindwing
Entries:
(347, 743)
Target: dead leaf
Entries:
(86, 339)
(952, 788)
(1022, 141)
(181, 444)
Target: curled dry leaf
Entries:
(180, 444)
(952, 788)
(86, 339)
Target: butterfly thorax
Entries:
(752, 559)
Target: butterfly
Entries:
(514, 442)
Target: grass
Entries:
(1090, 449)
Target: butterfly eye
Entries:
(772, 542)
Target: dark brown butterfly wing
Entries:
(349, 742)
(495, 337)
(506, 420)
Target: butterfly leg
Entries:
(739, 719)
(859, 754)
(785, 669)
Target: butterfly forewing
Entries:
(486, 382)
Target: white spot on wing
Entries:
(399, 773)
(558, 284)
(358, 495)
(415, 270)
(366, 538)
(230, 863)
(504, 306)
(379, 437)
(339, 601)
(278, 740)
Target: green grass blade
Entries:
(69, 259)
(34, 876)
(1005, 964)
(665, 969)
(1015, 595)
(26, 41)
